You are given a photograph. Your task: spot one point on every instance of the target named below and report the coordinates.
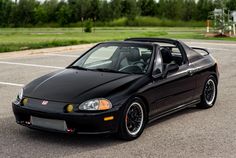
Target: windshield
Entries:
(121, 58)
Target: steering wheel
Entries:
(140, 62)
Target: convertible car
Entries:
(119, 87)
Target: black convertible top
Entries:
(152, 40)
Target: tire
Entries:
(134, 110)
(209, 94)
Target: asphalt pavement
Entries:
(188, 133)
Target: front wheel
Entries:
(133, 120)
(209, 94)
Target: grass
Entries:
(144, 21)
(139, 21)
(14, 39)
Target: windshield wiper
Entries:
(98, 69)
(77, 67)
(110, 70)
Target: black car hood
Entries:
(74, 86)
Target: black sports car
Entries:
(118, 87)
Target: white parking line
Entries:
(12, 84)
(218, 49)
(210, 43)
(62, 55)
(32, 65)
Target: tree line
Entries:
(32, 12)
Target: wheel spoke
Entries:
(134, 119)
(209, 91)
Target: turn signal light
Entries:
(104, 104)
(109, 118)
(24, 101)
(69, 108)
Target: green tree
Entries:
(203, 9)
(105, 13)
(75, 13)
(93, 10)
(171, 9)
(63, 14)
(31, 12)
(147, 7)
(25, 12)
(129, 9)
(220, 3)
(162, 8)
(50, 7)
(231, 5)
(6, 7)
(40, 15)
(80, 9)
(189, 10)
(178, 9)
(116, 7)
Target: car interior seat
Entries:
(166, 56)
(130, 57)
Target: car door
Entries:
(174, 90)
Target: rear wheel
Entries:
(133, 120)
(209, 95)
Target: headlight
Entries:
(96, 104)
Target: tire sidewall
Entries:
(204, 102)
(123, 133)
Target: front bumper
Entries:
(81, 123)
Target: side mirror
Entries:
(170, 68)
(156, 73)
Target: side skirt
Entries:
(171, 111)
